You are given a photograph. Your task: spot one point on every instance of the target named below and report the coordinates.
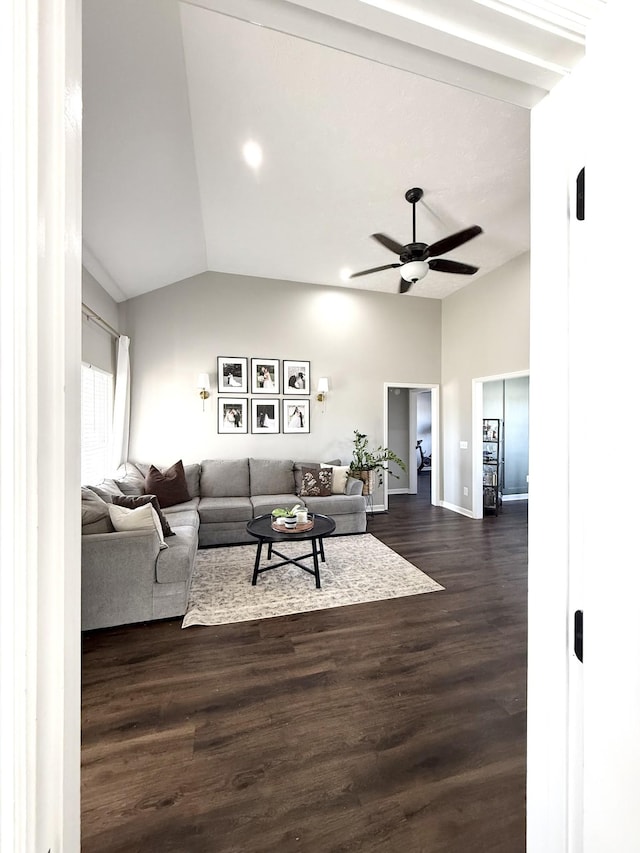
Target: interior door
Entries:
(607, 318)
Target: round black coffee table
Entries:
(260, 527)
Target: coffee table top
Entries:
(260, 527)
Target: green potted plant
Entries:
(367, 464)
(290, 516)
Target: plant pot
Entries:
(290, 521)
(368, 480)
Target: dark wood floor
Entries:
(392, 726)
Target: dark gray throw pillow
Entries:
(134, 501)
(170, 485)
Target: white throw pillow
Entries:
(340, 475)
(142, 518)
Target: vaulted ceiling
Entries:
(352, 102)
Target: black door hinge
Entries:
(580, 195)
(578, 633)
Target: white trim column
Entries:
(40, 322)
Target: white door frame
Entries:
(40, 341)
(476, 435)
(436, 498)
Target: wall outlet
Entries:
(465, 492)
(464, 445)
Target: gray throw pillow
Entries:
(95, 513)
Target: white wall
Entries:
(485, 332)
(98, 346)
(359, 339)
(398, 438)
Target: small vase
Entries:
(290, 521)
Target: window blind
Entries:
(96, 418)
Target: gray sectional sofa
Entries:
(130, 576)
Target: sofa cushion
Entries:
(271, 476)
(185, 517)
(141, 518)
(222, 478)
(175, 563)
(336, 504)
(187, 506)
(316, 482)
(340, 476)
(264, 504)
(215, 510)
(133, 501)
(170, 485)
(130, 479)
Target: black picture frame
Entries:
(233, 415)
(265, 375)
(233, 375)
(296, 377)
(295, 415)
(265, 415)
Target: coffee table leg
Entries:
(321, 544)
(316, 567)
(257, 563)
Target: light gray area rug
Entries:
(357, 569)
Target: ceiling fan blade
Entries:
(389, 243)
(441, 247)
(443, 265)
(375, 269)
(405, 286)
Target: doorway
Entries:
(505, 397)
(411, 412)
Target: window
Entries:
(96, 413)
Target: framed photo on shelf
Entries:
(265, 415)
(232, 415)
(295, 416)
(265, 375)
(296, 377)
(232, 375)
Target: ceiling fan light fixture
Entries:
(414, 270)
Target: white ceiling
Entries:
(353, 103)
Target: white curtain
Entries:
(121, 404)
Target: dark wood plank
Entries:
(390, 726)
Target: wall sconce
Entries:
(323, 390)
(204, 387)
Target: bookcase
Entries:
(492, 466)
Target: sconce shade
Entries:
(323, 385)
(203, 382)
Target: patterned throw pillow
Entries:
(316, 482)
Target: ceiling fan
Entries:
(416, 259)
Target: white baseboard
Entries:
(455, 508)
(372, 510)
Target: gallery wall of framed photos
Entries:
(280, 395)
